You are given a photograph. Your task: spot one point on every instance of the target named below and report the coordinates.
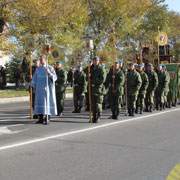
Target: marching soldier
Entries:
(60, 87)
(97, 79)
(115, 79)
(153, 83)
(80, 87)
(143, 89)
(133, 85)
(163, 83)
(166, 91)
(87, 92)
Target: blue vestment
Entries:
(39, 83)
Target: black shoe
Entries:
(129, 112)
(146, 110)
(141, 111)
(136, 111)
(97, 119)
(117, 117)
(150, 110)
(39, 122)
(79, 110)
(46, 121)
(132, 114)
(35, 116)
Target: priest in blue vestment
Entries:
(39, 83)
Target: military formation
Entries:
(138, 87)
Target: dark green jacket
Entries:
(98, 76)
(118, 82)
(133, 82)
(153, 80)
(145, 82)
(80, 83)
(163, 81)
(61, 80)
(167, 85)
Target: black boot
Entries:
(161, 107)
(98, 118)
(94, 118)
(132, 112)
(129, 112)
(147, 109)
(150, 109)
(79, 109)
(75, 110)
(35, 116)
(41, 120)
(136, 111)
(112, 116)
(117, 115)
(141, 110)
(157, 106)
(47, 121)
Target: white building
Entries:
(4, 58)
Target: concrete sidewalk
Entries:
(23, 99)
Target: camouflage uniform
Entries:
(153, 83)
(116, 92)
(80, 87)
(142, 91)
(60, 89)
(163, 83)
(166, 90)
(133, 85)
(97, 79)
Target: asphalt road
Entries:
(146, 147)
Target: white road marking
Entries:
(6, 130)
(82, 130)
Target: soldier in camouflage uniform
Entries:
(60, 87)
(87, 92)
(153, 83)
(133, 85)
(163, 83)
(97, 78)
(166, 91)
(80, 87)
(115, 82)
(143, 89)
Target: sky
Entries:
(173, 5)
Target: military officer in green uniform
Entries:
(80, 88)
(163, 83)
(133, 85)
(60, 87)
(143, 89)
(153, 83)
(97, 79)
(115, 82)
(166, 90)
(87, 92)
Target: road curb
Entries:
(24, 99)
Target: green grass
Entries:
(20, 93)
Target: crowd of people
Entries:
(139, 87)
